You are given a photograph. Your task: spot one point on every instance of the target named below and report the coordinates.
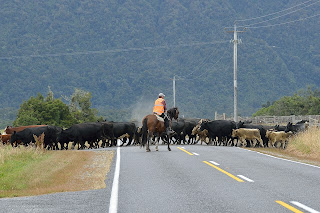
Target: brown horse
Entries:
(151, 126)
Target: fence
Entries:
(314, 120)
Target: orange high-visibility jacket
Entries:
(159, 106)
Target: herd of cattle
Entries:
(187, 131)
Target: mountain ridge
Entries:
(126, 52)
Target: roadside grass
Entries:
(26, 171)
(303, 147)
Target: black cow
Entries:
(298, 127)
(189, 124)
(122, 128)
(178, 127)
(90, 132)
(279, 128)
(27, 135)
(221, 129)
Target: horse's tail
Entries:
(144, 131)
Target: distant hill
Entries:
(125, 52)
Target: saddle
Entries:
(158, 117)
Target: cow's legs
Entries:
(261, 142)
(254, 142)
(244, 142)
(130, 140)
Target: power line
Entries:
(199, 76)
(249, 19)
(201, 64)
(280, 15)
(288, 22)
(111, 51)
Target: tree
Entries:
(304, 102)
(40, 110)
(80, 106)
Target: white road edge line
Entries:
(304, 207)
(215, 163)
(281, 158)
(245, 178)
(113, 207)
(195, 153)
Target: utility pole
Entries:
(174, 91)
(235, 42)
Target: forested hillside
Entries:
(127, 51)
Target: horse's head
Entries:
(173, 113)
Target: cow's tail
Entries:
(144, 132)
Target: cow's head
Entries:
(203, 125)
(173, 113)
(289, 127)
(239, 124)
(234, 133)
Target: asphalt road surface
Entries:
(191, 178)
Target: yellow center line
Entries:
(221, 170)
(185, 151)
(288, 206)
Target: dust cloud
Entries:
(140, 109)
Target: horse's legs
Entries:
(168, 142)
(157, 144)
(148, 139)
(169, 147)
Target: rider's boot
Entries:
(169, 131)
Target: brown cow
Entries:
(10, 129)
(5, 139)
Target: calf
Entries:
(252, 135)
(262, 129)
(280, 136)
(202, 134)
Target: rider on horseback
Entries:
(160, 108)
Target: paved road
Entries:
(191, 179)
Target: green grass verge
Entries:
(17, 166)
